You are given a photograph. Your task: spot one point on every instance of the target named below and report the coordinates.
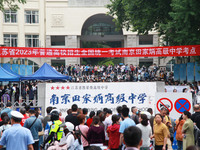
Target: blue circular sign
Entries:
(182, 104)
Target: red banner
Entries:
(187, 50)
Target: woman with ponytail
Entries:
(77, 145)
(146, 131)
(113, 133)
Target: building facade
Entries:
(67, 24)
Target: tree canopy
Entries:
(12, 4)
(177, 21)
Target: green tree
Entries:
(184, 27)
(12, 4)
(177, 20)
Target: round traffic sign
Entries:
(182, 104)
(164, 102)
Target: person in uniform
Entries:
(55, 132)
(17, 137)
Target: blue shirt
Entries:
(36, 127)
(7, 110)
(86, 68)
(125, 124)
(17, 138)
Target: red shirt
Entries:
(24, 119)
(114, 136)
(89, 121)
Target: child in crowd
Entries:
(113, 133)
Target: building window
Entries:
(101, 29)
(57, 40)
(31, 16)
(145, 39)
(29, 62)
(10, 16)
(32, 40)
(10, 40)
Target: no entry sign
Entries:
(164, 102)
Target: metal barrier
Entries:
(21, 103)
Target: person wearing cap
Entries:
(68, 137)
(55, 132)
(67, 141)
(17, 137)
(7, 109)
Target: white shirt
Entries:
(107, 122)
(69, 140)
(14, 89)
(146, 133)
(4, 127)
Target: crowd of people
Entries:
(110, 73)
(29, 90)
(83, 130)
(122, 73)
(9, 93)
(97, 73)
